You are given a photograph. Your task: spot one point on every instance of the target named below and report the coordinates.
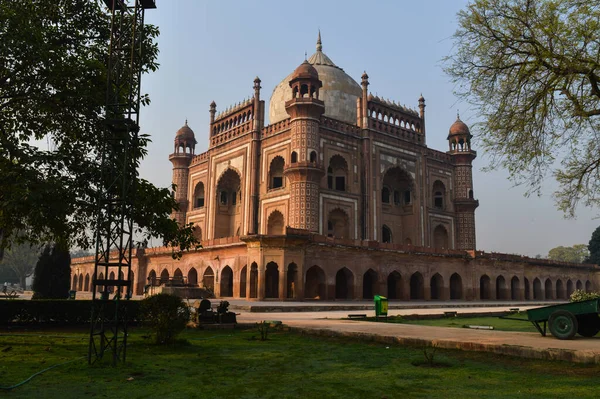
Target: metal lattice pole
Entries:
(114, 234)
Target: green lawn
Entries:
(230, 364)
(460, 322)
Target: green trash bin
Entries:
(72, 294)
(381, 306)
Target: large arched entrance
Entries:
(484, 288)
(272, 280)
(243, 281)
(570, 288)
(394, 284)
(275, 224)
(292, 280)
(344, 284)
(440, 237)
(254, 280)
(228, 204)
(515, 287)
(436, 286)
(337, 224)
(226, 282)
(152, 278)
(208, 279)
(369, 284)
(416, 286)
(315, 286)
(456, 291)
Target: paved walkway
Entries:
(529, 345)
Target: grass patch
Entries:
(228, 364)
(460, 322)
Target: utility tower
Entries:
(114, 234)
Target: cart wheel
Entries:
(563, 324)
(589, 324)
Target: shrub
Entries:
(166, 314)
(580, 295)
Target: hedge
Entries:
(57, 311)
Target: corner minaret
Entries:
(185, 146)
(459, 139)
(304, 172)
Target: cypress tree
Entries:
(52, 274)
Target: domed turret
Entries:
(339, 91)
(459, 136)
(305, 71)
(185, 140)
(459, 128)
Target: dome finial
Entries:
(319, 44)
(457, 115)
(186, 121)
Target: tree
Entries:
(594, 247)
(576, 254)
(531, 70)
(52, 277)
(21, 260)
(52, 91)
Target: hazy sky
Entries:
(212, 50)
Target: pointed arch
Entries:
(439, 195)
(386, 234)
(570, 288)
(527, 288)
(344, 284)
(275, 223)
(537, 289)
(485, 288)
(440, 237)
(337, 220)
(436, 285)
(152, 278)
(456, 290)
(501, 293)
(276, 178)
(198, 201)
(272, 280)
(227, 214)
(369, 284)
(579, 285)
(74, 284)
(337, 173)
(208, 279)
(515, 288)
(315, 286)
(588, 286)
(417, 290)
(394, 284)
(177, 277)
(548, 289)
(560, 290)
(226, 282)
(192, 277)
(86, 282)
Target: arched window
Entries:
(224, 197)
(440, 237)
(276, 173)
(199, 195)
(337, 224)
(294, 157)
(337, 173)
(385, 195)
(386, 234)
(439, 191)
(313, 156)
(407, 197)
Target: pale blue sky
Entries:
(213, 50)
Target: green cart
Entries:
(566, 320)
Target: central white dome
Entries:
(339, 91)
